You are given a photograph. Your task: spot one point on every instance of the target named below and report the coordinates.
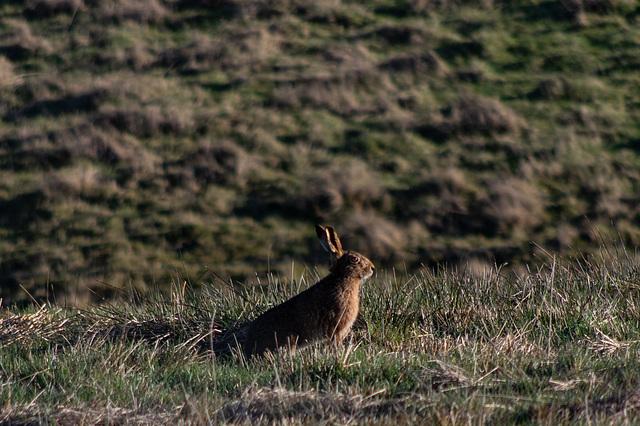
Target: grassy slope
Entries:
(555, 347)
(136, 140)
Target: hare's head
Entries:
(343, 262)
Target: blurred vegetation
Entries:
(141, 138)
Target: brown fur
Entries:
(326, 310)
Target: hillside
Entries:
(140, 143)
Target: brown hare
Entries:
(326, 310)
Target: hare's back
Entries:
(294, 322)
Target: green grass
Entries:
(554, 346)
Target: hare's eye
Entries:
(355, 259)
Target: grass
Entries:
(559, 345)
(143, 148)
(198, 133)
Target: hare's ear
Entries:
(329, 241)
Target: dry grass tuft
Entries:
(250, 49)
(395, 34)
(19, 43)
(347, 57)
(472, 114)
(553, 89)
(198, 56)
(416, 64)
(54, 150)
(352, 93)
(341, 185)
(118, 11)
(85, 415)
(7, 75)
(239, 9)
(442, 201)
(382, 239)
(595, 6)
(45, 324)
(148, 122)
(70, 104)
(428, 6)
(577, 9)
(511, 205)
(84, 180)
(42, 9)
(212, 163)
(268, 405)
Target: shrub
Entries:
(230, 9)
(578, 7)
(200, 55)
(323, 191)
(395, 34)
(352, 181)
(441, 201)
(40, 9)
(6, 72)
(511, 206)
(553, 89)
(381, 239)
(147, 122)
(430, 62)
(83, 180)
(19, 43)
(83, 102)
(471, 114)
(117, 11)
(427, 6)
(220, 163)
(356, 92)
